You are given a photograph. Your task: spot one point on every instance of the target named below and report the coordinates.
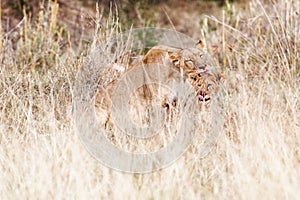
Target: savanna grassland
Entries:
(255, 43)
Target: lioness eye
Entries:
(189, 60)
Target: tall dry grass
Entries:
(258, 152)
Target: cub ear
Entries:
(201, 44)
(175, 57)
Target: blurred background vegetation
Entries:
(78, 16)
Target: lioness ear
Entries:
(201, 45)
(175, 58)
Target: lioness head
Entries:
(194, 63)
(194, 59)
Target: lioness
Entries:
(194, 63)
